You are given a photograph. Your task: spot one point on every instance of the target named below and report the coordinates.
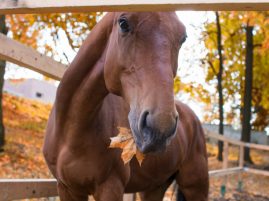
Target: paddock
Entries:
(15, 52)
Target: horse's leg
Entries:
(156, 194)
(66, 194)
(193, 179)
(110, 190)
(180, 196)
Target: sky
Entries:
(190, 68)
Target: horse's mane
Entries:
(88, 55)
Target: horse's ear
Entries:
(89, 53)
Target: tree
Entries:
(3, 29)
(219, 78)
(234, 60)
(42, 32)
(246, 125)
(45, 31)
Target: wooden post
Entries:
(225, 155)
(241, 156)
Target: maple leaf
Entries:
(125, 141)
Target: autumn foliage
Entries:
(25, 122)
(44, 31)
(233, 26)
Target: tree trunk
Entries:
(219, 78)
(246, 126)
(3, 30)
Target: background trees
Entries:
(55, 35)
(233, 32)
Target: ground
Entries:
(254, 187)
(25, 122)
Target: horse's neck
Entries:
(81, 104)
(82, 88)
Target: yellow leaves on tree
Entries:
(125, 141)
(44, 31)
(233, 44)
(176, 85)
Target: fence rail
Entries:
(47, 6)
(15, 52)
(237, 142)
(241, 145)
(11, 189)
(14, 189)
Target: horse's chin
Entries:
(145, 148)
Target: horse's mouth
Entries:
(148, 141)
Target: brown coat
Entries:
(123, 76)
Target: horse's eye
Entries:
(183, 39)
(124, 25)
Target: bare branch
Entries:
(212, 66)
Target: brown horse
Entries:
(123, 76)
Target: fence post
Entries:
(224, 166)
(241, 156)
(225, 155)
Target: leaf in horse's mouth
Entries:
(125, 141)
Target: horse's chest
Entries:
(155, 171)
(84, 169)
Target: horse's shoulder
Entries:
(189, 121)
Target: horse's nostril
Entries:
(143, 120)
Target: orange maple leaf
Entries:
(125, 141)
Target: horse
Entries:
(122, 76)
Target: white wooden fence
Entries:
(17, 53)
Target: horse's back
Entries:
(188, 118)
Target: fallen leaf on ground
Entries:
(125, 141)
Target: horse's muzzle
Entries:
(152, 138)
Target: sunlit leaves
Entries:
(176, 85)
(234, 44)
(44, 30)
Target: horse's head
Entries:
(140, 66)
